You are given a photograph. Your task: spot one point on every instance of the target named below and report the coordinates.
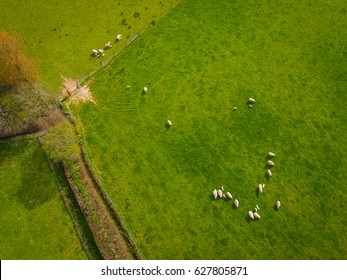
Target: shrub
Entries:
(61, 143)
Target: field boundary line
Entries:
(104, 63)
(76, 224)
(88, 162)
(111, 206)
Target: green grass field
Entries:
(35, 223)
(60, 35)
(201, 61)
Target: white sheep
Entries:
(229, 195)
(271, 154)
(220, 193)
(250, 106)
(128, 87)
(222, 187)
(236, 203)
(235, 108)
(169, 123)
(256, 215)
(214, 193)
(108, 45)
(270, 163)
(257, 207)
(250, 214)
(269, 173)
(95, 52)
(119, 37)
(224, 196)
(145, 90)
(251, 100)
(260, 188)
(101, 52)
(278, 204)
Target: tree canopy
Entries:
(16, 66)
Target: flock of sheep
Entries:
(254, 213)
(101, 52)
(227, 195)
(261, 187)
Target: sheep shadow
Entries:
(257, 192)
(92, 56)
(267, 178)
(275, 208)
(248, 219)
(266, 166)
(212, 198)
(167, 126)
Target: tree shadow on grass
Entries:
(36, 186)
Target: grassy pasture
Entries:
(60, 35)
(200, 62)
(34, 222)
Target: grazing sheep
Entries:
(145, 90)
(229, 195)
(260, 188)
(95, 52)
(257, 207)
(169, 123)
(263, 185)
(269, 173)
(128, 86)
(256, 215)
(250, 106)
(270, 163)
(251, 100)
(222, 188)
(271, 154)
(235, 108)
(220, 193)
(119, 37)
(108, 45)
(214, 193)
(278, 204)
(250, 214)
(101, 52)
(224, 196)
(236, 203)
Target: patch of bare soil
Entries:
(76, 92)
